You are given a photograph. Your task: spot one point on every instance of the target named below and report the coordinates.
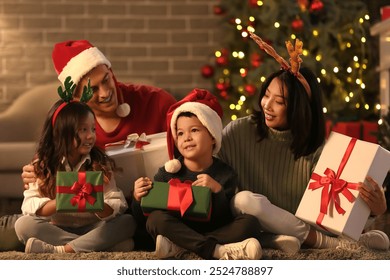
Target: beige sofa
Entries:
(20, 127)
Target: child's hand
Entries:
(207, 181)
(374, 196)
(141, 187)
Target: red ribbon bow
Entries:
(333, 186)
(82, 191)
(180, 195)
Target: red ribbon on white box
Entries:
(333, 186)
(138, 140)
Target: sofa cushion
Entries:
(13, 156)
(23, 120)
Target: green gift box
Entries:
(190, 202)
(79, 191)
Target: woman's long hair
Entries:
(57, 142)
(304, 114)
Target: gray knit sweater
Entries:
(268, 166)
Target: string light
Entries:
(345, 78)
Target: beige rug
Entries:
(268, 254)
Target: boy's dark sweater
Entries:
(220, 213)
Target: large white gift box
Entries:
(138, 162)
(331, 200)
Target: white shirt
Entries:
(113, 197)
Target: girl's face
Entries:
(193, 140)
(87, 136)
(104, 100)
(274, 105)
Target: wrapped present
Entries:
(190, 202)
(79, 191)
(331, 200)
(138, 157)
(385, 12)
(370, 131)
(352, 129)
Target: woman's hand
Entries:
(206, 181)
(141, 187)
(28, 175)
(374, 196)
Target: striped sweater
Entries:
(268, 166)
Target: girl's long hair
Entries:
(304, 114)
(57, 142)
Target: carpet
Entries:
(268, 254)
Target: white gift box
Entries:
(139, 162)
(364, 159)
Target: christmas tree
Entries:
(334, 35)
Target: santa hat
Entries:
(76, 58)
(209, 112)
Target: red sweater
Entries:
(149, 106)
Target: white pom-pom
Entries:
(123, 110)
(172, 166)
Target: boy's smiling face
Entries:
(193, 140)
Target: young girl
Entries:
(275, 151)
(196, 130)
(68, 144)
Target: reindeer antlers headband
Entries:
(295, 60)
(67, 95)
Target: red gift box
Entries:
(351, 129)
(385, 12)
(370, 129)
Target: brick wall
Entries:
(163, 42)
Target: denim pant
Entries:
(8, 239)
(100, 236)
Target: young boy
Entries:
(195, 128)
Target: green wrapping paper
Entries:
(190, 202)
(79, 191)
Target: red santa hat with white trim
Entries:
(76, 58)
(206, 107)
